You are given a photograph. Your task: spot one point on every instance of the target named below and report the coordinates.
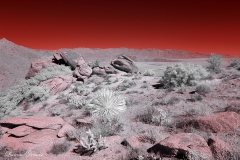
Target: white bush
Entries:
(181, 74)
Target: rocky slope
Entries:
(15, 60)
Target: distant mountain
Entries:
(15, 60)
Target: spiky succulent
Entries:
(107, 103)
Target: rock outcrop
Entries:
(125, 64)
(40, 122)
(219, 148)
(58, 83)
(183, 145)
(82, 70)
(217, 122)
(39, 64)
(68, 58)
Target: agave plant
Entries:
(107, 103)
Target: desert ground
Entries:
(105, 113)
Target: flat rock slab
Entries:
(58, 83)
(41, 122)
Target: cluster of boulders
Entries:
(82, 70)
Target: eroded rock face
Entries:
(58, 83)
(21, 131)
(125, 64)
(82, 70)
(39, 64)
(217, 122)
(41, 122)
(183, 145)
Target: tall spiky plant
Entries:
(107, 103)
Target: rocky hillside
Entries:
(15, 60)
(69, 109)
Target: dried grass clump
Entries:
(60, 148)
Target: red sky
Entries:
(197, 26)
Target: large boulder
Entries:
(125, 64)
(219, 148)
(183, 145)
(66, 57)
(39, 64)
(58, 83)
(217, 122)
(82, 70)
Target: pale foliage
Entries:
(181, 74)
(107, 103)
(90, 143)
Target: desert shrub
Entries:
(107, 103)
(131, 102)
(90, 144)
(125, 85)
(52, 71)
(148, 137)
(203, 89)
(148, 73)
(170, 100)
(54, 111)
(75, 100)
(196, 97)
(99, 87)
(15, 94)
(180, 74)
(95, 63)
(215, 62)
(107, 126)
(128, 75)
(153, 115)
(197, 109)
(38, 93)
(72, 134)
(145, 85)
(131, 92)
(181, 90)
(234, 62)
(60, 148)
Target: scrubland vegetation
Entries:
(111, 104)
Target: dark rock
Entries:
(125, 64)
(163, 151)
